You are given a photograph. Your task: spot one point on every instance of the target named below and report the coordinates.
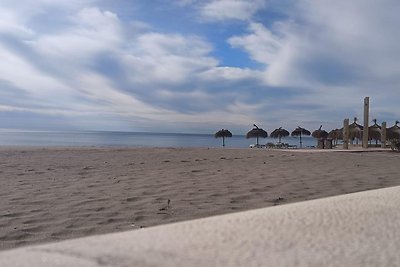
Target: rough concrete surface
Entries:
(360, 229)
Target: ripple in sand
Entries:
(33, 229)
(131, 199)
(139, 218)
(12, 214)
(99, 209)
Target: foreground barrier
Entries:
(360, 229)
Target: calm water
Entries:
(130, 139)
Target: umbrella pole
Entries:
(301, 143)
(223, 141)
(257, 141)
(279, 139)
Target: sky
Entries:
(196, 66)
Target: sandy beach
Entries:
(50, 194)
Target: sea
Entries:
(134, 139)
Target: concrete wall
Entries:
(361, 229)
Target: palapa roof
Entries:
(256, 132)
(223, 133)
(300, 131)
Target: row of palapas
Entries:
(355, 133)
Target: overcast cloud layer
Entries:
(196, 66)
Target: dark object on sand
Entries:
(223, 133)
(276, 201)
(299, 132)
(256, 132)
(165, 207)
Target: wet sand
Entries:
(50, 194)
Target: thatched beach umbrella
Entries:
(279, 133)
(299, 132)
(223, 133)
(256, 132)
(374, 132)
(355, 130)
(394, 131)
(320, 134)
(336, 134)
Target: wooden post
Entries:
(383, 135)
(366, 121)
(346, 134)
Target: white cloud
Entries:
(92, 31)
(156, 57)
(319, 61)
(9, 24)
(39, 87)
(232, 74)
(176, 44)
(326, 45)
(332, 54)
(101, 90)
(184, 2)
(365, 34)
(55, 72)
(278, 49)
(21, 12)
(222, 10)
(262, 45)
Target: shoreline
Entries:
(59, 193)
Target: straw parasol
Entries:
(336, 134)
(394, 131)
(256, 132)
(279, 133)
(299, 132)
(320, 134)
(374, 132)
(355, 130)
(223, 133)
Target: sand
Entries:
(50, 194)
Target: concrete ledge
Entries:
(361, 229)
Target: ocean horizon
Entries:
(134, 139)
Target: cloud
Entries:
(222, 10)
(9, 24)
(314, 40)
(331, 53)
(172, 59)
(92, 31)
(261, 44)
(91, 67)
(230, 74)
(185, 2)
(91, 62)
